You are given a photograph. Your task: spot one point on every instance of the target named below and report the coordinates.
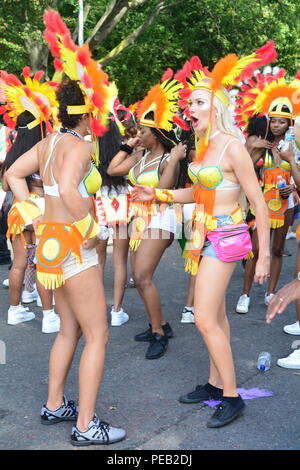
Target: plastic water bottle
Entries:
(280, 182)
(290, 139)
(264, 361)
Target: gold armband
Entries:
(164, 195)
(87, 227)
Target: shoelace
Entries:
(102, 430)
(220, 408)
(71, 404)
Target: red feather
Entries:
(265, 55)
(196, 63)
(183, 104)
(297, 76)
(84, 55)
(9, 122)
(181, 123)
(2, 110)
(38, 75)
(87, 81)
(167, 75)
(97, 128)
(97, 100)
(27, 91)
(68, 41)
(58, 65)
(26, 72)
(185, 93)
(54, 22)
(13, 80)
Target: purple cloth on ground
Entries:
(249, 394)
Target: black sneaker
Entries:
(68, 411)
(147, 335)
(226, 412)
(157, 346)
(201, 393)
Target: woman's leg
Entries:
(120, 255)
(211, 321)
(85, 295)
(62, 351)
(147, 258)
(101, 252)
(277, 250)
(17, 271)
(191, 290)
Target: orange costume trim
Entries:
(56, 241)
(21, 214)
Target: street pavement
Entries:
(141, 395)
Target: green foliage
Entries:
(208, 28)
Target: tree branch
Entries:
(113, 14)
(130, 39)
(86, 10)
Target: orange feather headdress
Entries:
(33, 96)
(77, 63)
(162, 100)
(226, 73)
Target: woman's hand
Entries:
(262, 270)
(142, 193)
(286, 191)
(133, 142)
(282, 299)
(90, 243)
(262, 143)
(178, 152)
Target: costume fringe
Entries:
(50, 281)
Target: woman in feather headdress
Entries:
(66, 257)
(221, 169)
(153, 227)
(273, 96)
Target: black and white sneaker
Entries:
(68, 411)
(98, 433)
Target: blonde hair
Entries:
(224, 119)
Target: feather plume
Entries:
(26, 72)
(167, 75)
(13, 80)
(181, 123)
(87, 81)
(38, 75)
(97, 128)
(263, 56)
(84, 55)
(58, 65)
(97, 100)
(68, 41)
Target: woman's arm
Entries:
(244, 170)
(288, 156)
(256, 146)
(146, 193)
(123, 161)
(24, 166)
(170, 170)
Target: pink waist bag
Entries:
(231, 242)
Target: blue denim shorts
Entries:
(208, 249)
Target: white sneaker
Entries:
(243, 304)
(19, 315)
(39, 302)
(28, 297)
(51, 323)
(118, 318)
(290, 362)
(98, 432)
(187, 315)
(293, 329)
(268, 298)
(5, 283)
(290, 235)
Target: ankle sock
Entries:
(210, 388)
(232, 400)
(47, 312)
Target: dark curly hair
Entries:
(69, 94)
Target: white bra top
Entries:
(53, 189)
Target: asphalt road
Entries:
(142, 395)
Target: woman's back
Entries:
(55, 165)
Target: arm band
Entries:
(126, 148)
(164, 195)
(87, 227)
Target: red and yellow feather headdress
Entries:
(33, 96)
(77, 63)
(226, 73)
(270, 94)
